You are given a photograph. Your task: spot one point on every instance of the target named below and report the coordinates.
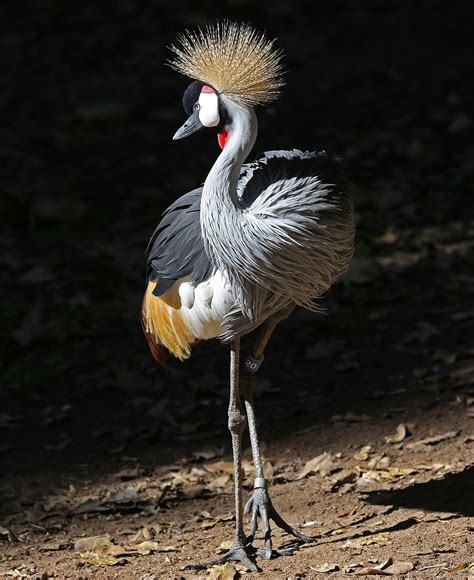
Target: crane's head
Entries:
(225, 59)
(205, 109)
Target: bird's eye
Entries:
(196, 106)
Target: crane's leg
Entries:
(238, 552)
(260, 504)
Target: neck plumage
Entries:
(221, 214)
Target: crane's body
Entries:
(230, 254)
(252, 243)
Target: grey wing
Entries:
(176, 248)
(299, 230)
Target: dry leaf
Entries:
(143, 548)
(369, 476)
(212, 521)
(433, 440)
(400, 471)
(146, 547)
(322, 464)
(388, 568)
(400, 434)
(143, 534)
(373, 571)
(56, 503)
(100, 557)
(220, 467)
(326, 568)
(179, 478)
(352, 567)
(341, 482)
(378, 539)
(225, 572)
(219, 482)
(101, 551)
(197, 474)
(458, 568)
(363, 453)
(54, 546)
(92, 542)
(399, 567)
(379, 462)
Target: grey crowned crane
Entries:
(242, 251)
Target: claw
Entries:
(234, 554)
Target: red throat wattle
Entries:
(223, 137)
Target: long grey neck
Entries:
(220, 210)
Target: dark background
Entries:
(87, 165)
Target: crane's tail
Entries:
(165, 329)
(158, 351)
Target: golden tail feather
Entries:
(163, 326)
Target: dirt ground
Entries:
(112, 467)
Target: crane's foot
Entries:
(236, 553)
(260, 506)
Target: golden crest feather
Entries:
(235, 59)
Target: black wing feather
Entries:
(176, 248)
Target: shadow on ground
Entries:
(454, 493)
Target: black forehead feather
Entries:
(191, 95)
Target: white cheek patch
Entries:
(209, 109)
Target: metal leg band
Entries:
(253, 364)
(260, 483)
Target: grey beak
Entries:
(192, 125)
